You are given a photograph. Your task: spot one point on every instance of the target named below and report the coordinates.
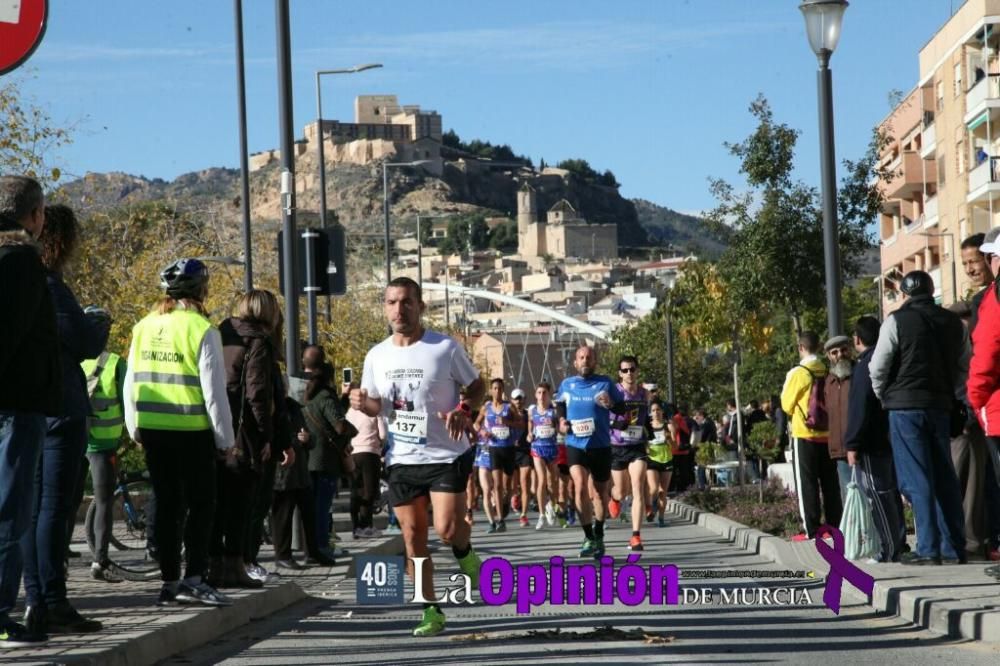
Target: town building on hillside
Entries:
(562, 234)
(944, 154)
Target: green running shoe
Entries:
(587, 549)
(470, 565)
(432, 624)
(598, 549)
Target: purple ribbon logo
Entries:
(840, 568)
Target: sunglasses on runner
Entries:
(627, 370)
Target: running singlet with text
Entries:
(627, 428)
(416, 384)
(499, 423)
(590, 424)
(543, 430)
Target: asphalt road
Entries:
(334, 629)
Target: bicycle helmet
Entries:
(185, 278)
(917, 283)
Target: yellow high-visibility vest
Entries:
(166, 386)
(108, 421)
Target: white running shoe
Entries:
(550, 514)
(541, 523)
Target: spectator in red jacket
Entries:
(983, 386)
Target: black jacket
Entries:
(918, 360)
(80, 338)
(867, 423)
(30, 374)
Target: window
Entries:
(940, 168)
(940, 95)
(958, 79)
(959, 158)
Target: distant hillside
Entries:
(666, 226)
(355, 193)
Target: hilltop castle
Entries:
(382, 129)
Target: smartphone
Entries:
(348, 375)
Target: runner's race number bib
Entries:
(409, 425)
(545, 432)
(660, 437)
(500, 432)
(583, 427)
(633, 433)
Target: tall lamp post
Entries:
(321, 158)
(319, 130)
(385, 209)
(823, 21)
(954, 259)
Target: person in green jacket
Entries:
(106, 426)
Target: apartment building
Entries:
(945, 155)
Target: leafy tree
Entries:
(28, 137)
(580, 167)
(484, 149)
(503, 238)
(459, 231)
(775, 259)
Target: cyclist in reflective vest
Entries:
(106, 427)
(176, 407)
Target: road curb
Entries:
(392, 545)
(896, 596)
(201, 626)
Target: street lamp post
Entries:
(310, 237)
(244, 161)
(954, 259)
(823, 21)
(385, 210)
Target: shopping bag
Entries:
(861, 540)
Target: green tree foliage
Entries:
(28, 137)
(775, 258)
(503, 238)
(459, 231)
(484, 149)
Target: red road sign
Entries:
(22, 25)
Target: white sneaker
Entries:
(550, 514)
(370, 533)
(541, 523)
(257, 572)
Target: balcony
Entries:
(985, 94)
(984, 182)
(911, 172)
(929, 140)
(930, 215)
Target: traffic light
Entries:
(329, 275)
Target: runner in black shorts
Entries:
(413, 378)
(628, 440)
(522, 457)
(585, 404)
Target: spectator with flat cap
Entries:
(918, 371)
(838, 384)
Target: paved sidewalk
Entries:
(954, 601)
(136, 631)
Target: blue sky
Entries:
(649, 89)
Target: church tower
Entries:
(526, 216)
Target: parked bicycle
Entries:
(133, 494)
